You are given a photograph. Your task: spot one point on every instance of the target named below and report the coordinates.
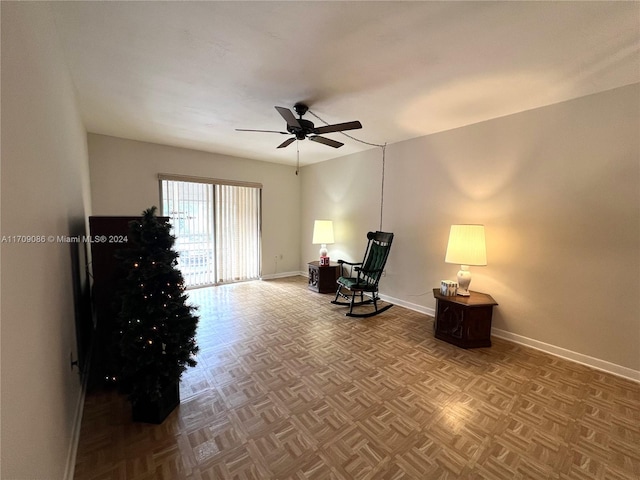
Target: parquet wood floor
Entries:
(287, 387)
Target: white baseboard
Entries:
(576, 357)
(70, 468)
(411, 306)
(272, 276)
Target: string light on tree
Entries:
(157, 340)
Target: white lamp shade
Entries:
(466, 245)
(323, 232)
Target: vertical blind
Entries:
(237, 232)
(217, 228)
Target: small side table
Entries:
(464, 321)
(323, 279)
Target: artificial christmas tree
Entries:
(156, 325)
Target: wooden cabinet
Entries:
(464, 321)
(106, 274)
(323, 279)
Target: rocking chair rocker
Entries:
(363, 277)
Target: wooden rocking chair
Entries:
(363, 277)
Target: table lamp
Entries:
(323, 235)
(466, 247)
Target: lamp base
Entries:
(324, 256)
(464, 279)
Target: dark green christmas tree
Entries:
(157, 326)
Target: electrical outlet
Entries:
(74, 363)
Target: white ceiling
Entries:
(189, 74)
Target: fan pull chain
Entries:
(297, 156)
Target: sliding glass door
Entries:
(217, 228)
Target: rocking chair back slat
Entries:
(374, 263)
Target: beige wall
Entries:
(558, 191)
(124, 181)
(45, 191)
(556, 187)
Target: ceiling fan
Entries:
(302, 129)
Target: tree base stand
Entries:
(156, 411)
